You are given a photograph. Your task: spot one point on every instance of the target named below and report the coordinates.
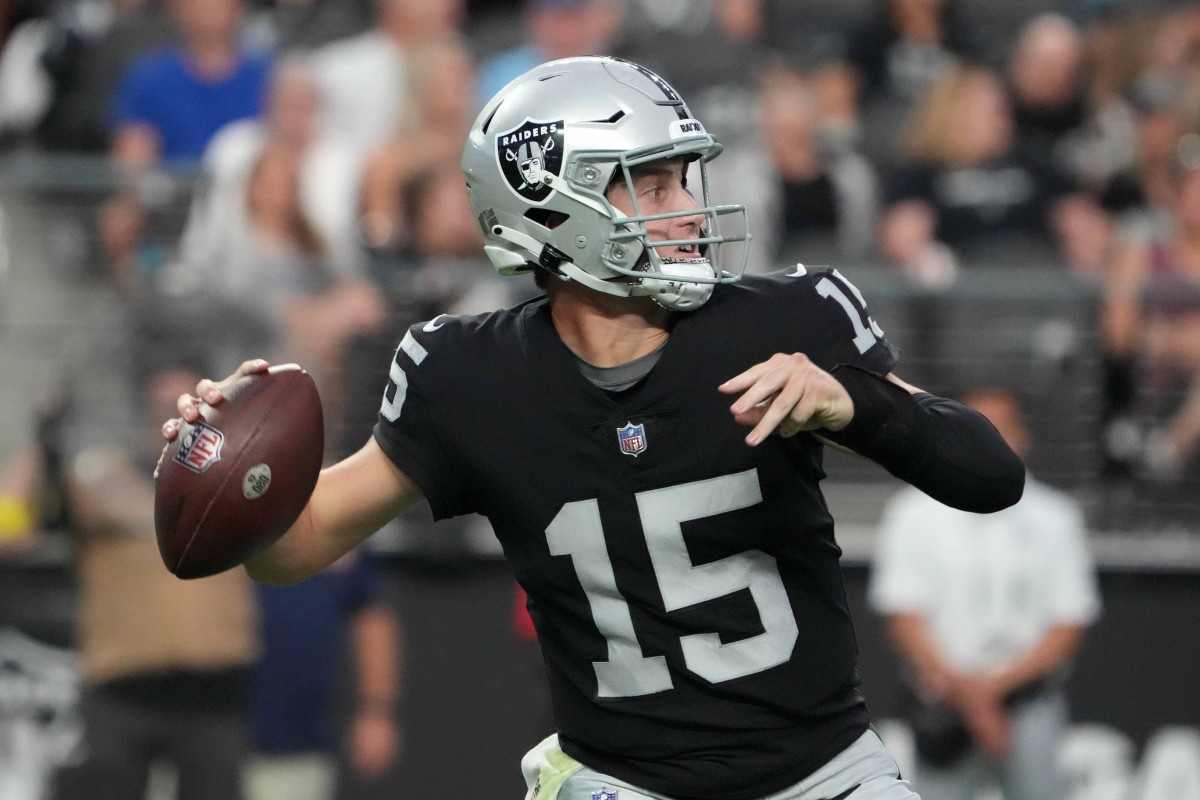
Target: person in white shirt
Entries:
(364, 78)
(986, 612)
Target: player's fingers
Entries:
(170, 429)
(768, 378)
(775, 413)
(800, 418)
(211, 391)
(750, 418)
(746, 379)
(250, 367)
(208, 391)
(188, 407)
(760, 392)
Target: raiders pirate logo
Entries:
(527, 154)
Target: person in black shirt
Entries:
(972, 196)
(646, 440)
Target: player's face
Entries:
(661, 188)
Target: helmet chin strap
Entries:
(681, 295)
(673, 295)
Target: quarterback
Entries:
(646, 440)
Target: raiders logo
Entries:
(527, 154)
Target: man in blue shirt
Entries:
(170, 102)
(295, 688)
(168, 106)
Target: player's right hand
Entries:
(210, 392)
(788, 393)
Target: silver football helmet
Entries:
(544, 150)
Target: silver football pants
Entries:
(863, 771)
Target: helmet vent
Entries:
(487, 122)
(619, 113)
(546, 218)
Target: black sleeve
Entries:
(409, 427)
(940, 446)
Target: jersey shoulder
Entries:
(798, 290)
(797, 279)
(815, 310)
(452, 348)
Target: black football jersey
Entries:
(685, 586)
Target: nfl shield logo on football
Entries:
(632, 438)
(605, 794)
(200, 447)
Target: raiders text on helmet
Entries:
(544, 150)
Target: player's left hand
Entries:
(788, 393)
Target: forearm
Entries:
(911, 638)
(1047, 656)
(352, 499)
(940, 446)
(300, 553)
(377, 660)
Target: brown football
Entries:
(234, 481)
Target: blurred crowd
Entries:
(937, 137)
(325, 212)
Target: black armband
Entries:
(942, 447)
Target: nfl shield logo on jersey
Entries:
(632, 438)
(604, 794)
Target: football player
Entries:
(646, 440)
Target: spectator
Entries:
(552, 29)
(330, 168)
(895, 59)
(440, 107)
(168, 106)
(986, 612)
(1143, 191)
(709, 50)
(972, 196)
(171, 103)
(263, 266)
(1151, 322)
(1176, 50)
(271, 238)
(1117, 41)
(295, 687)
(813, 201)
(1045, 81)
(287, 26)
(86, 60)
(363, 79)
(164, 662)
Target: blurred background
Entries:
(1013, 186)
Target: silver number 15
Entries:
(576, 532)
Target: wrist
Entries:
(885, 424)
(378, 708)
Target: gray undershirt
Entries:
(622, 376)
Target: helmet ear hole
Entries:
(546, 218)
